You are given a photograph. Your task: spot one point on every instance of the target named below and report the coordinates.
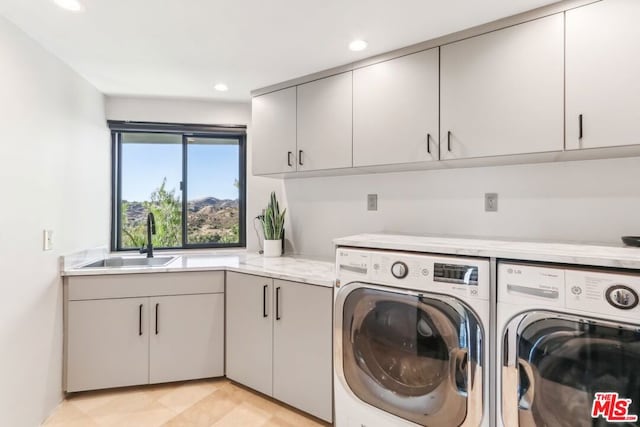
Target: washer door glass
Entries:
(409, 355)
(562, 363)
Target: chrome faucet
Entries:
(151, 230)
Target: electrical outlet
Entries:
(47, 240)
(372, 202)
(491, 202)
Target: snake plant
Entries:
(273, 220)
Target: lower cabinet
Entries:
(133, 340)
(302, 347)
(249, 331)
(279, 340)
(186, 337)
(108, 343)
(132, 329)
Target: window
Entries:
(191, 177)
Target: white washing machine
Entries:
(565, 334)
(410, 340)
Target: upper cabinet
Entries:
(274, 132)
(304, 128)
(603, 65)
(395, 110)
(502, 92)
(324, 123)
(555, 82)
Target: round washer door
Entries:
(558, 365)
(414, 356)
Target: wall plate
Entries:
(372, 202)
(491, 202)
(47, 240)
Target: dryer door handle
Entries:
(528, 392)
(459, 370)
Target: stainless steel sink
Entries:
(119, 262)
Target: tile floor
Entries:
(206, 403)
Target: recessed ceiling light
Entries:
(71, 5)
(221, 87)
(358, 45)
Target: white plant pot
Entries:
(272, 248)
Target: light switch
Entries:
(47, 241)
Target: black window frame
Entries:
(235, 132)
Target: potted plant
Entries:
(273, 228)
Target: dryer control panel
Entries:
(600, 292)
(461, 276)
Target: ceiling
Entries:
(182, 48)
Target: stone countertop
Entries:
(601, 255)
(296, 269)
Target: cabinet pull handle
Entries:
(157, 310)
(278, 303)
(428, 145)
(300, 158)
(264, 300)
(140, 320)
(580, 127)
(449, 141)
(289, 153)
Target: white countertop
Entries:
(287, 268)
(322, 273)
(601, 255)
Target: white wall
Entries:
(54, 170)
(593, 200)
(172, 110)
(169, 110)
(596, 200)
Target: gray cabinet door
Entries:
(302, 347)
(186, 337)
(249, 331)
(603, 66)
(395, 110)
(503, 92)
(325, 123)
(107, 343)
(273, 132)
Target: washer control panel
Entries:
(603, 292)
(399, 270)
(456, 273)
(451, 275)
(595, 291)
(622, 297)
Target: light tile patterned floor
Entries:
(206, 403)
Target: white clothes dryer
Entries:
(568, 339)
(410, 339)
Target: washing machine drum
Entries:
(409, 355)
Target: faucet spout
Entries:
(151, 231)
